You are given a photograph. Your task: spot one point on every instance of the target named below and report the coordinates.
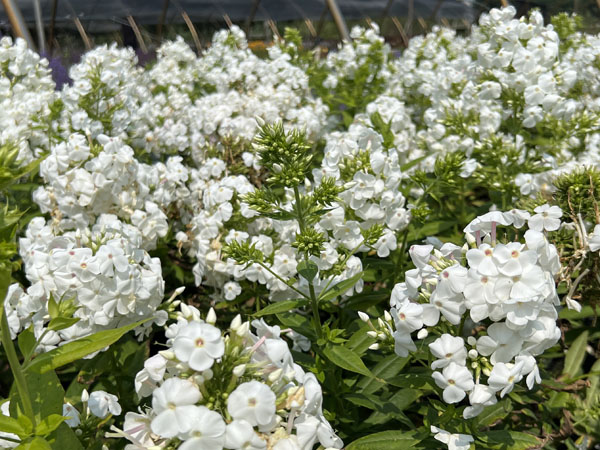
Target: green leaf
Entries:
(65, 438)
(307, 269)
(46, 393)
(78, 349)
(571, 314)
(49, 424)
(575, 355)
(412, 163)
(339, 288)
(12, 425)
(422, 381)
(60, 323)
(53, 310)
(386, 440)
(360, 341)
(278, 307)
(298, 322)
(388, 367)
(429, 229)
(592, 391)
(493, 413)
(37, 443)
(346, 359)
(26, 341)
(505, 440)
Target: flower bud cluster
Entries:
(236, 389)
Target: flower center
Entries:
(252, 402)
(199, 342)
(451, 381)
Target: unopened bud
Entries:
(487, 372)
(207, 374)
(423, 333)
(471, 340)
(276, 375)
(470, 239)
(374, 346)
(179, 290)
(372, 334)
(277, 168)
(239, 370)
(473, 354)
(85, 396)
(363, 316)
(387, 316)
(243, 329)
(296, 397)
(211, 317)
(474, 365)
(169, 355)
(381, 323)
(236, 322)
(186, 311)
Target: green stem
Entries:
(282, 280)
(314, 302)
(402, 255)
(462, 324)
(16, 369)
(343, 263)
(315, 310)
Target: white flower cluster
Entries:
(235, 390)
(26, 91)
(507, 84)
(366, 50)
(501, 295)
(108, 95)
(208, 105)
(100, 275)
(85, 181)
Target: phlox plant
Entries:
(300, 251)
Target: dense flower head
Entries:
(245, 391)
(99, 275)
(494, 302)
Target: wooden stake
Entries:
(138, 34)
(273, 28)
(400, 29)
(16, 21)
(52, 23)
(162, 19)
(338, 19)
(82, 33)
(193, 31)
(250, 18)
(228, 21)
(311, 28)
